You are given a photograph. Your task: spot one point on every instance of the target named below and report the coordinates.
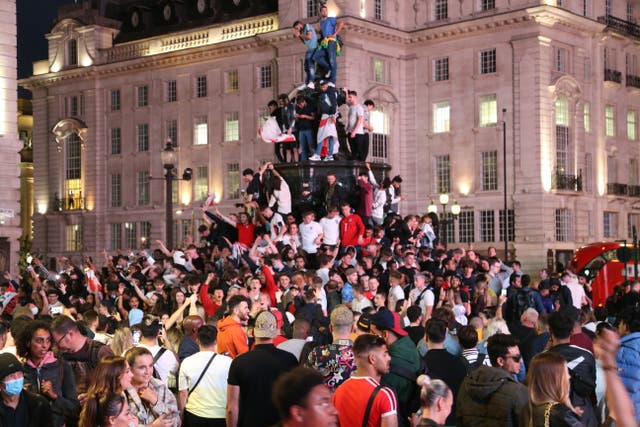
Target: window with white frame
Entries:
(231, 81)
(143, 96)
(633, 220)
(487, 226)
(72, 52)
(130, 235)
(74, 238)
(507, 225)
(172, 91)
(609, 224)
(441, 117)
(443, 174)
(610, 58)
(115, 236)
(441, 69)
(116, 190)
(561, 60)
(607, 7)
(231, 126)
(115, 100)
(73, 106)
(563, 158)
(441, 10)
(379, 120)
(630, 17)
(145, 231)
(564, 225)
(143, 137)
(201, 131)
(631, 125)
(116, 140)
(201, 183)
(489, 170)
(143, 187)
(379, 71)
(609, 120)
(466, 226)
(201, 86)
(264, 77)
(488, 61)
(588, 173)
(631, 64)
(378, 9)
(313, 8)
(233, 180)
(487, 4)
(172, 131)
(586, 117)
(488, 110)
(73, 173)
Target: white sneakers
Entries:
(315, 158)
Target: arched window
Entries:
(72, 52)
(73, 173)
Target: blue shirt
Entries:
(328, 26)
(312, 43)
(347, 293)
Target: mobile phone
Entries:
(172, 415)
(503, 293)
(136, 337)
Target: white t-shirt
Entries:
(331, 229)
(209, 398)
(577, 294)
(426, 300)
(309, 233)
(395, 294)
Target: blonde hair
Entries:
(122, 341)
(548, 379)
(431, 390)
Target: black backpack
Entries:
(475, 365)
(524, 299)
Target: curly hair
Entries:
(23, 340)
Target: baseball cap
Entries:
(8, 365)
(266, 325)
(388, 321)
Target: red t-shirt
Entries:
(245, 233)
(351, 397)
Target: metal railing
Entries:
(567, 182)
(617, 189)
(617, 24)
(612, 75)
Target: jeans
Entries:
(310, 66)
(305, 136)
(322, 55)
(329, 151)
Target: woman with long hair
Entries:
(112, 375)
(549, 404)
(46, 375)
(436, 400)
(106, 410)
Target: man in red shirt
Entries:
(246, 228)
(351, 228)
(365, 207)
(352, 396)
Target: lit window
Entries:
(145, 231)
(74, 238)
(443, 174)
(143, 188)
(609, 121)
(73, 173)
(233, 180)
(201, 183)
(201, 86)
(586, 117)
(489, 170)
(488, 61)
(116, 190)
(487, 226)
(116, 141)
(143, 96)
(380, 122)
(631, 125)
(231, 126)
(172, 91)
(265, 76)
(231, 81)
(441, 117)
(488, 110)
(143, 137)
(130, 235)
(378, 71)
(563, 158)
(201, 131)
(441, 69)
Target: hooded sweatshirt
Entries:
(231, 339)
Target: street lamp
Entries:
(169, 158)
(444, 222)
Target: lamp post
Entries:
(504, 171)
(444, 222)
(169, 157)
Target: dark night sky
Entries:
(35, 19)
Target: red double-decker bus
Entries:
(601, 263)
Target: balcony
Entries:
(566, 182)
(634, 190)
(612, 75)
(632, 81)
(69, 203)
(620, 25)
(617, 189)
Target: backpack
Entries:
(524, 299)
(475, 365)
(83, 369)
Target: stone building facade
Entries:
(448, 79)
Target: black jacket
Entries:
(559, 416)
(38, 412)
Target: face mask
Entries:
(34, 310)
(14, 387)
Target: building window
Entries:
(487, 226)
(379, 71)
(633, 171)
(116, 236)
(630, 17)
(378, 10)
(231, 81)
(201, 184)
(115, 100)
(233, 180)
(609, 121)
(443, 174)
(145, 231)
(441, 115)
(609, 224)
(509, 226)
(74, 238)
(488, 61)
(466, 227)
(631, 125)
(610, 59)
(586, 117)
(73, 52)
(143, 137)
(380, 123)
(143, 188)
(607, 7)
(488, 110)
(561, 58)
(588, 173)
(130, 235)
(172, 91)
(564, 225)
(633, 221)
(116, 140)
(201, 131)
(201, 86)
(441, 10)
(441, 69)
(562, 135)
(116, 190)
(143, 96)
(73, 106)
(313, 8)
(585, 7)
(265, 76)
(631, 64)
(172, 131)
(489, 170)
(231, 126)
(73, 173)
(488, 4)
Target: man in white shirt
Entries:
(202, 384)
(578, 296)
(311, 237)
(422, 297)
(331, 227)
